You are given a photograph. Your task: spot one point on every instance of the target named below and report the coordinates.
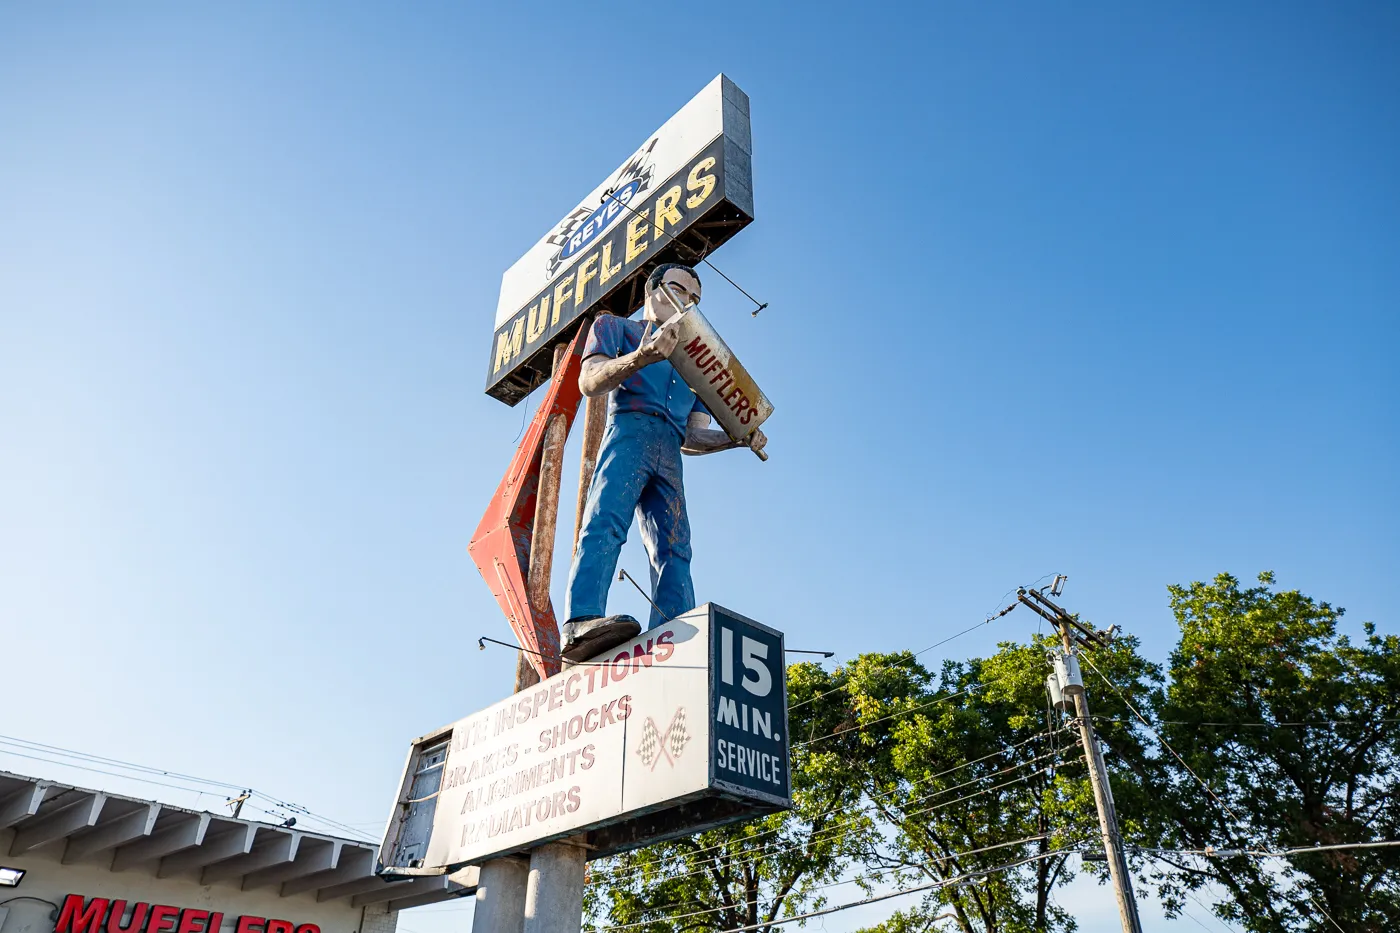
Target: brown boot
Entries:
(586, 637)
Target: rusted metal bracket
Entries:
(501, 546)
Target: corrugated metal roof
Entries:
(75, 824)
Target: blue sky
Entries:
(1083, 289)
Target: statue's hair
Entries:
(657, 274)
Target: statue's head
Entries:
(671, 288)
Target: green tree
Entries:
(1294, 729)
(984, 788)
(761, 871)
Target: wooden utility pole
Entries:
(1098, 775)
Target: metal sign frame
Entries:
(706, 796)
(705, 198)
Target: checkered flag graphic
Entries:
(676, 736)
(649, 748)
(653, 746)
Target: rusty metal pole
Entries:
(546, 523)
(595, 418)
(547, 505)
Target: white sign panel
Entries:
(683, 192)
(689, 709)
(555, 759)
(664, 153)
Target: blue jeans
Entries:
(639, 468)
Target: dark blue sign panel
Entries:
(748, 708)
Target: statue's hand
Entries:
(658, 344)
(757, 440)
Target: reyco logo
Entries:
(585, 224)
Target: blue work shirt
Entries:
(656, 389)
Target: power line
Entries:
(1197, 854)
(670, 918)
(132, 777)
(71, 753)
(80, 763)
(1212, 852)
(334, 824)
(1206, 787)
(933, 885)
(1192, 918)
(483, 640)
(866, 810)
(977, 780)
(894, 715)
(937, 644)
(823, 834)
(1257, 725)
(890, 794)
(966, 797)
(1128, 703)
(1208, 911)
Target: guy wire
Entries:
(608, 194)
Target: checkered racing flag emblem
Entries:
(654, 746)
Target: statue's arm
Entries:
(601, 374)
(702, 439)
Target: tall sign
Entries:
(681, 730)
(685, 190)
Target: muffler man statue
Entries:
(653, 417)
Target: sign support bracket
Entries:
(502, 544)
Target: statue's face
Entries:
(678, 290)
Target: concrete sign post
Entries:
(554, 896)
(500, 896)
